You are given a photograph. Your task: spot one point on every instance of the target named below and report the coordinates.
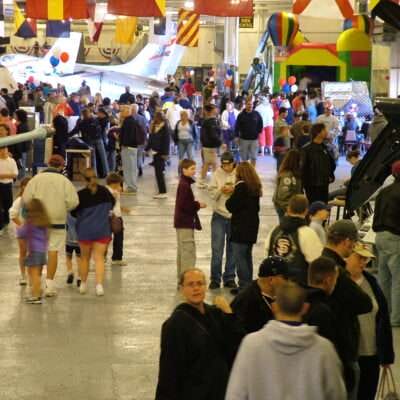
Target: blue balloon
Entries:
(54, 61)
(286, 88)
(229, 72)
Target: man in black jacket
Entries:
(249, 125)
(127, 97)
(131, 136)
(210, 137)
(387, 228)
(253, 304)
(198, 345)
(318, 166)
(347, 301)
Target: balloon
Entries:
(294, 88)
(229, 72)
(31, 79)
(286, 88)
(292, 80)
(282, 81)
(283, 27)
(64, 57)
(54, 61)
(56, 52)
(360, 22)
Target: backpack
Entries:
(286, 245)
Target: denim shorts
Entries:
(35, 259)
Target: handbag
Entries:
(387, 386)
(116, 224)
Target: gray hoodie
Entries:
(285, 362)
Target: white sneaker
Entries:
(50, 290)
(22, 281)
(83, 288)
(160, 196)
(99, 290)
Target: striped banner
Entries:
(57, 10)
(188, 28)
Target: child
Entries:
(16, 216)
(319, 213)
(186, 219)
(8, 172)
(281, 145)
(353, 157)
(35, 232)
(71, 246)
(114, 185)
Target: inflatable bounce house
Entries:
(349, 59)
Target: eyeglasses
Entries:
(192, 285)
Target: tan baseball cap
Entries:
(363, 250)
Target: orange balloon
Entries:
(292, 80)
(64, 57)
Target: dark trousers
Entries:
(159, 166)
(243, 260)
(6, 200)
(118, 244)
(317, 193)
(369, 378)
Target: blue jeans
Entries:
(129, 167)
(388, 246)
(112, 160)
(185, 147)
(243, 261)
(353, 394)
(220, 233)
(99, 149)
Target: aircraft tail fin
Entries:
(61, 58)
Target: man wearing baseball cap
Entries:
(221, 187)
(386, 224)
(253, 305)
(347, 301)
(59, 196)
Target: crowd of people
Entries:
(313, 302)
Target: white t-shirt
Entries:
(8, 166)
(117, 196)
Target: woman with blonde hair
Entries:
(93, 228)
(244, 205)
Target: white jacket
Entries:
(310, 244)
(267, 114)
(219, 179)
(55, 191)
(225, 118)
(284, 362)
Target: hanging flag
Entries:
(56, 10)
(387, 10)
(95, 22)
(143, 8)
(160, 26)
(58, 29)
(188, 28)
(344, 6)
(224, 8)
(125, 29)
(24, 28)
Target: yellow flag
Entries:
(125, 28)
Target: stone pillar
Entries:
(231, 41)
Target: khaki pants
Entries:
(186, 256)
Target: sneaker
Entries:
(230, 285)
(70, 279)
(99, 290)
(160, 196)
(22, 281)
(83, 288)
(120, 263)
(33, 300)
(201, 185)
(50, 290)
(78, 282)
(214, 285)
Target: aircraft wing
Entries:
(375, 167)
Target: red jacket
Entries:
(186, 207)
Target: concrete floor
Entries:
(83, 347)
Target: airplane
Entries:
(144, 74)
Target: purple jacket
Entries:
(186, 207)
(36, 237)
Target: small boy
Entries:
(319, 214)
(186, 219)
(353, 157)
(114, 185)
(71, 247)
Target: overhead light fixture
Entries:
(189, 4)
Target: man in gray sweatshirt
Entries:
(286, 359)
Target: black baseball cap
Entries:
(227, 158)
(273, 266)
(344, 228)
(318, 206)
